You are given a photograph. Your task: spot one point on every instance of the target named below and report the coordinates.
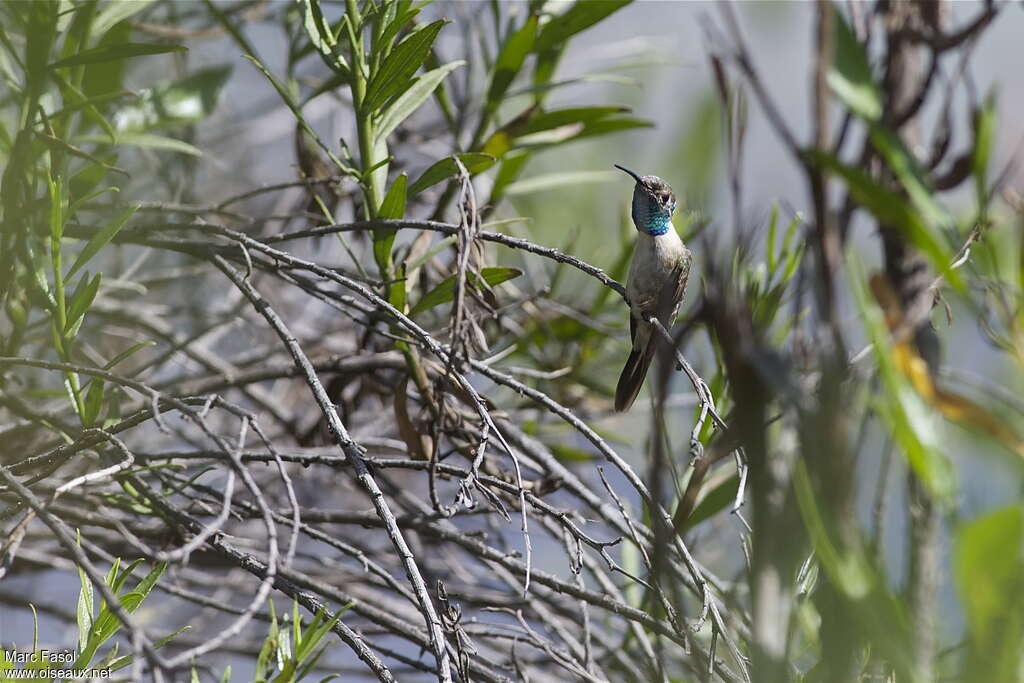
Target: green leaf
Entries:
(93, 401)
(117, 576)
(405, 12)
(562, 117)
(910, 174)
(510, 60)
(322, 37)
(174, 103)
(147, 583)
(85, 609)
(395, 73)
(317, 27)
(552, 181)
(446, 168)
(57, 217)
(445, 290)
(128, 352)
(851, 79)
(716, 500)
(39, 39)
(109, 53)
(409, 101)
(85, 180)
(115, 12)
(908, 419)
(392, 207)
(80, 201)
(75, 99)
(82, 299)
(769, 245)
(148, 141)
(579, 17)
(890, 208)
(511, 166)
(62, 145)
(990, 580)
(850, 75)
(569, 454)
(988, 566)
(122, 662)
(100, 239)
(605, 126)
(105, 77)
(984, 134)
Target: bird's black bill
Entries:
(623, 168)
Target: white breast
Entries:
(654, 259)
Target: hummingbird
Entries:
(657, 278)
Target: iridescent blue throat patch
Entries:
(659, 225)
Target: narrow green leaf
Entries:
(850, 74)
(511, 166)
(984, 134)
(90, 175)
(561, 117)
(122, 662)
(579, 17)
(147, 583)
(552, 181)
(445, 290)
(909, 420)
(446, 168)
(510, 60)
(769, 246)
(76, 100)
(115, 12)
(82, 299)
(891, 209)
(56, 211)
(570, 454)
(109, 53)
(404, 13)
(128, 352)
(104, 77)
(716, 500)
(605, 126)
(100, 239)
(317, 27)
(39, 39)
(393, 206)
(85, 609)
(910, 174)
(93, 402)
(409, 101)
(150, 141)
(77, 204)
(395, 73)
(323, 37)
(62, 145)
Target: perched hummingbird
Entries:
(657, 278)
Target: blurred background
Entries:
(652, 58)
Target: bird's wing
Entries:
(671, 296)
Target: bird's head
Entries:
(653, 203)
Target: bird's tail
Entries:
(632, 377)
